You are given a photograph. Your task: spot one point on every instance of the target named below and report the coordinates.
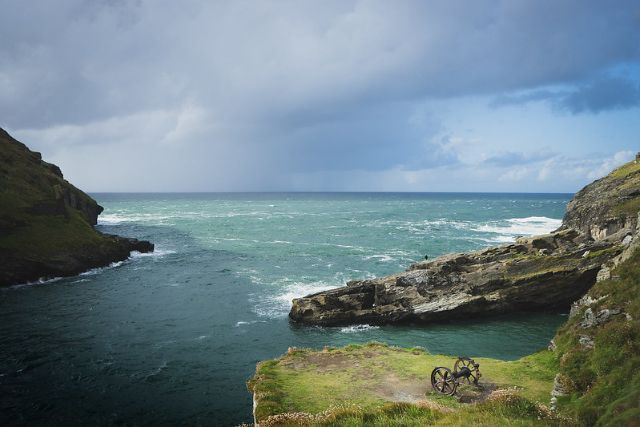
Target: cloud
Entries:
(603, 93)
(511, 158)
(610, 93)
(255, 95)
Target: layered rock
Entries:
(46, 223)
(540, 273)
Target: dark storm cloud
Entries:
(600, 94)
(302, 85)
(603, 94)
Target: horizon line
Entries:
(328, 192)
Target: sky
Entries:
(346, 95)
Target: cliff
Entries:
(540, 273)
(46, 224)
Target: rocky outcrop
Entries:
(540, 273)
(607, 208)
(46, 223)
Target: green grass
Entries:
(605, 381)
(607, 251)
(627, 208)
(367, 378)
(625, 170)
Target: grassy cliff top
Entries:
(614, 198)
(375, 384)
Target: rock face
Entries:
(540, 273)
(46, 223)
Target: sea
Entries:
(170, 338)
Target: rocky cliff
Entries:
(46, 224)
(538, 273)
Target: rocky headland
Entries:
(46, 224)
(540, 273)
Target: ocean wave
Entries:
(116, 218)
(379, 258)
(157, 253)
(508, 230)
(97, 270)
(249, 322)
(278, 305)
(120, 218)
(40, 281)
(358, 328)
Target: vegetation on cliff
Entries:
(598, 352)
(46, 224)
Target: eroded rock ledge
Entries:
(541, 273)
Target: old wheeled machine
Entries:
(446, 381)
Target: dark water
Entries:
(171, 338)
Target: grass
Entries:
(604, 382)
(606, 251)
(627, 208)
(369, 378)
(625, 170)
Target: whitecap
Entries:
(40, 281)
(156, 253)
(358, 328)
(379, 258)
(279, 305)
(508, 230)
(249, 322)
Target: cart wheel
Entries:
(474, 368)
(443, 381)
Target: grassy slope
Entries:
(364, 378)
(26, 182)
(38, 230)
(605, 381)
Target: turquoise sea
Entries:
(170, 338)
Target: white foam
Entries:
(509, 229)
(156, 253)
(40, 281)
(379, 258)
(298, 290)
(279, 305)
(100, 269)
(119, 218)
(358, 328)
(250, 322)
